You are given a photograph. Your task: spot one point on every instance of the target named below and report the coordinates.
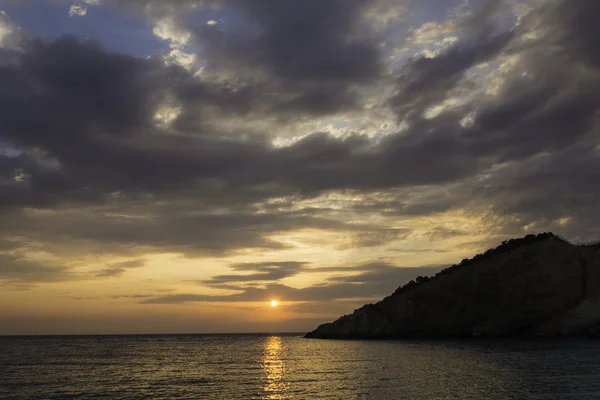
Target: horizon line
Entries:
(151, 334)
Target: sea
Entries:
(286, 366)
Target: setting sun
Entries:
(274, 303)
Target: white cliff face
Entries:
(548, 287)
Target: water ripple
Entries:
(289, 367)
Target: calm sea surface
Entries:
(289, 367)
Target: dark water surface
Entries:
(289, 367)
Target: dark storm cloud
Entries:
(545, 104)
(171, 230)
(548, 119)
(542, 124)
(311, 40)
(292, 40)
(554, 105)
(79, 104)
(372, 281)
(191, 235)
(285, 59)
(92, 112)
(576, 28)
(425, 81)
(550, 188)
(80, 120)
(105, 142)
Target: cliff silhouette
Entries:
(539, 285)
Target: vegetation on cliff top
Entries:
(505, 247)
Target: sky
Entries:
(173, 166)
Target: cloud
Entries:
(174, 229)
(372, 281)
(80, 138)
(118, 269)
(167, 29)
(17, 268)
(77, 11)
(258, 272)
(126, 95)
(134, 296)
(10, 37)
(6, 26)
(375, 239)
(351, 136)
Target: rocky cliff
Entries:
(535, 286)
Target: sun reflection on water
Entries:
(274, 369)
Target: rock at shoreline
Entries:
(536, 286)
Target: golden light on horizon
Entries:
(274, 303)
